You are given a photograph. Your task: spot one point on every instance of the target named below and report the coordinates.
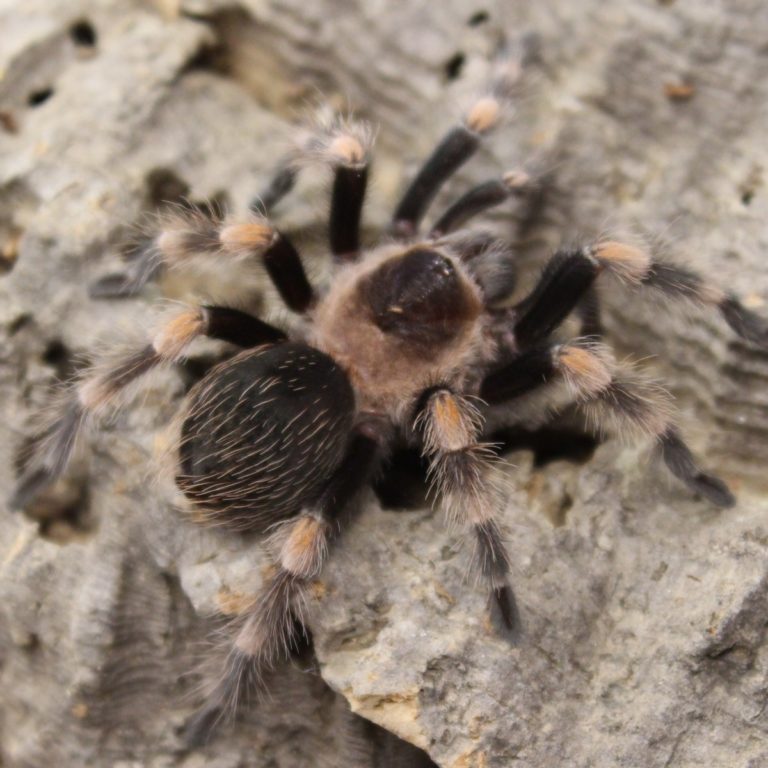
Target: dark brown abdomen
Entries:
(263, 433)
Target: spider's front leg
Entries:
(269, 628)
(460, 466)
(455, 148)
(345, 147)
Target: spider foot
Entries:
(745, 322)
(199, 729)
(681, 463)
(504, 615)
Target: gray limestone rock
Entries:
(645, 610)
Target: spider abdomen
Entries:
(261, 434)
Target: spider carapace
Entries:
(415, 341)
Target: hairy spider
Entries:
(413, 342)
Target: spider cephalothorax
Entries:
(414, 342)
(398, 321)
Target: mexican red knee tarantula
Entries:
(413, 341)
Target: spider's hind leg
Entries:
(345, 146)
(104, 385)
(481, 198)
(271, 625)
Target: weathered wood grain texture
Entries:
(645, 610)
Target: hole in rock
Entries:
(40, 96)
(478, 18)
(163, 186)
(454, 66)
(83, 34)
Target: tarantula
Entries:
(413, 342)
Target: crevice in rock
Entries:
(63, 511)
(391, 750)
(19, 323)
(39, 96)
(402, 483)
(166, 188)
(358, 637)
(57, 355)
(209, 57)
(17, 204)
(245, 51)
(478, 18)
(454, 66)
(163, 187)
(9, 248)
(71, 524)
(83, 34)
(8, 121)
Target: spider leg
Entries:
(349, 185)
(281, 184)
(103, 386)
(146, 264)
(589, 313)
(345, 147)
(190, 233)
(680, 283)
(615, 399)
(570, 275)
(459, 472)
(478, 199)
(456, 147)
(268, 630)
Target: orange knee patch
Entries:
(451, 423)
(303, 550)
(171, 341)
(246, 237)
(347, 150)
(484, 115)
(586, 372)
(625, 261)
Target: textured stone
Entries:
(644, 609)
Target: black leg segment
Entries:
(283, 264)
(279, 186)
(681, 463)
(349, 186)
(240, 328)
(530, 370)
(567, 277)
(479, 199)
(451, 153)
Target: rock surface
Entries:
(645, 610)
